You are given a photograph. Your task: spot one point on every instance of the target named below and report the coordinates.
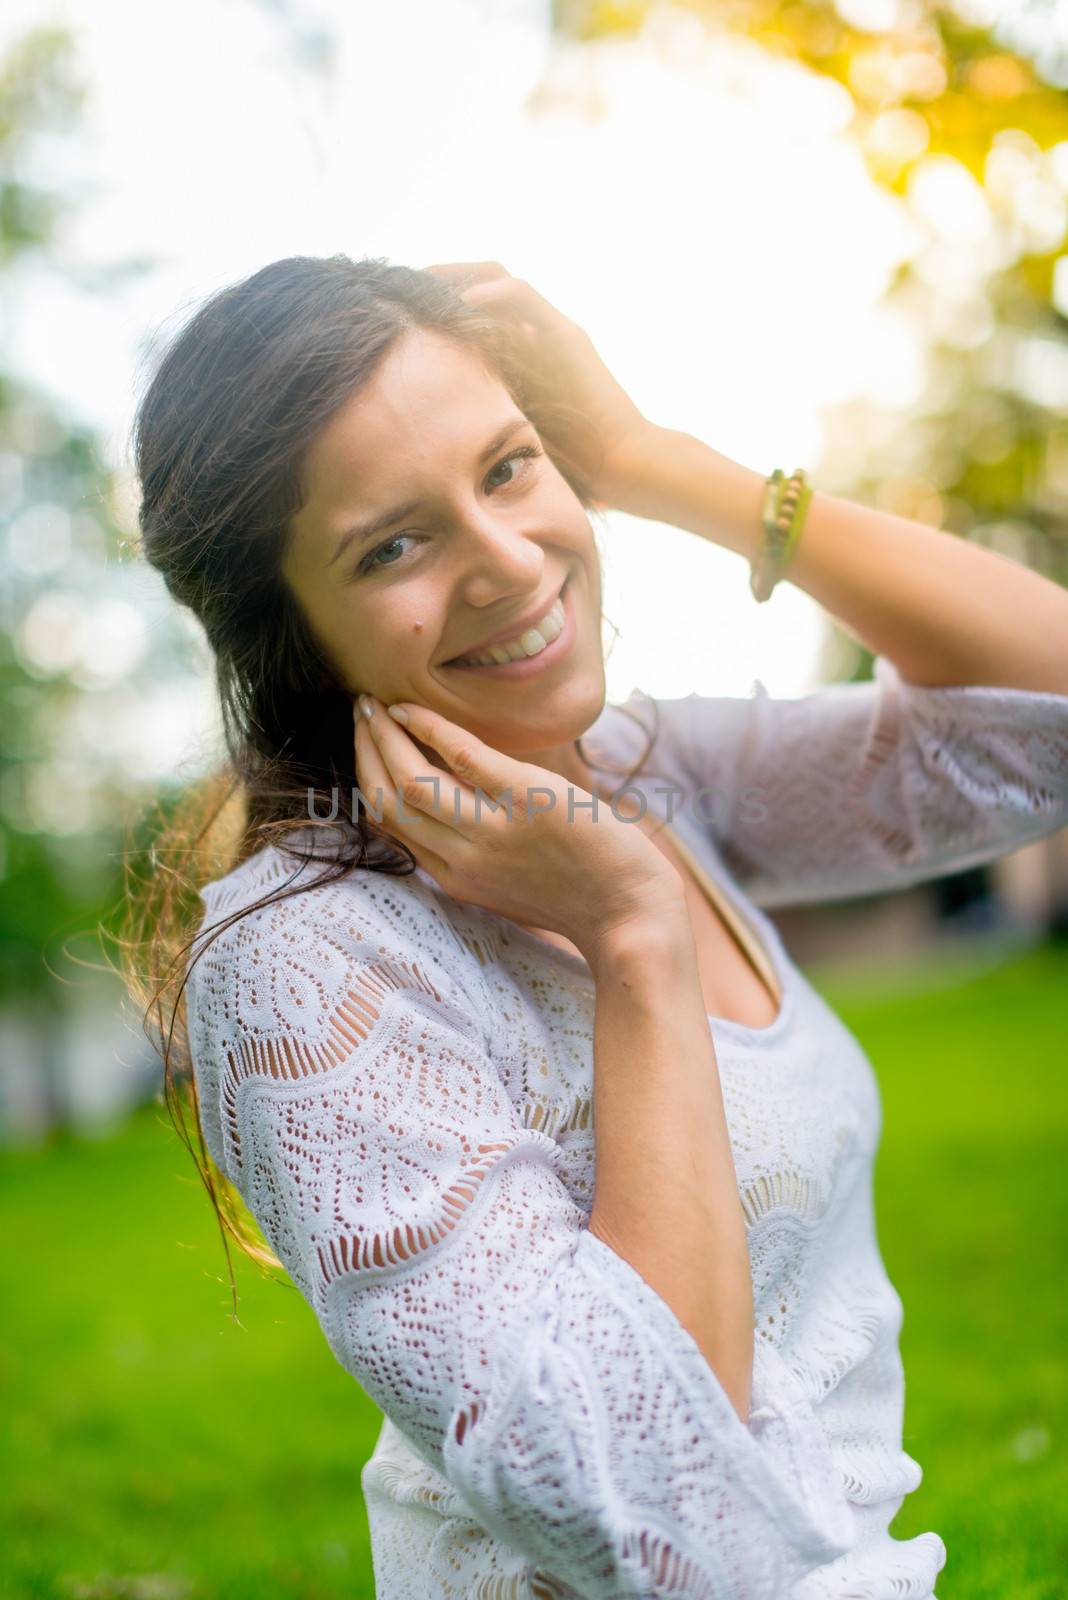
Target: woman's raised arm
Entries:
(943, 610)
(860, 788)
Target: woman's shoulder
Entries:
(296, 928)
(296, 965)
(646, 726)
(683, 746)
(312, 857)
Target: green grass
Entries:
(972, 1207)
(157, 1451)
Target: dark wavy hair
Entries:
(219, 440)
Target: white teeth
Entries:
(553, 625)
(529, 643)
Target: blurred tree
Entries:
(960, 111)
(73, 623)
(42, 465)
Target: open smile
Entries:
(548, 655)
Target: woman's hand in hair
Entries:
(566, 367)
(546, 863)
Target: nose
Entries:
(496, 560)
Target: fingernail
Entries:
(398, 713)
(366, 707)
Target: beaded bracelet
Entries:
(782, 515)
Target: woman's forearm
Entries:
(943, 610)
(666, 1194)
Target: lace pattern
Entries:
(401, 1089)
(862, 787)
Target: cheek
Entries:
(378, 630)
(411, 628)
(582, 536)
(394, 644)
(567, 510)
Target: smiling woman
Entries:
(489, 533)
(571, 1163)
(358, 395)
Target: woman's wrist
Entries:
(658, 931)
(674, 477)
(942, 609)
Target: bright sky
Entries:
(713, 230)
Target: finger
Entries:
(420, 788)
(417, 799)
(378, 789)
(517, 298)
(474, 763)
(472, 271)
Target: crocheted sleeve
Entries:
(863, 787)
(346, 1090)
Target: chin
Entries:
(572, 714)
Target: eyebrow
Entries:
(360, 532)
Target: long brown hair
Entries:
(219, 440)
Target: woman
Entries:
(570, 1161)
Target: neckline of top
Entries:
(772, 952)
(765, 938)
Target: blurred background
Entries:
(830, 235)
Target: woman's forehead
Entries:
(428, 393)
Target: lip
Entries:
(528, 666)
(513, 632)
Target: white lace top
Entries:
(400, 1088)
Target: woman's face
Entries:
(471, 542)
